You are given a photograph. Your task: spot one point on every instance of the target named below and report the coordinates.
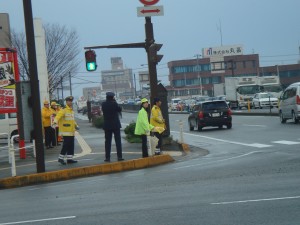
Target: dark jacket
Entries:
(111, 112)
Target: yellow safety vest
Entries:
(66, 120)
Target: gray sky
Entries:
(267, 27)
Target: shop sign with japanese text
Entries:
(7, 81)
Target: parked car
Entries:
(215, 113)
(289, 105)
(96, 109)
(223, 97)
(189, 104)
(174, 102)
(264, 99)
(130, 101)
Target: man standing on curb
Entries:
(157, 120)
(112, 125)
(67, 127)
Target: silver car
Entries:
(289, 105)
(261, 100)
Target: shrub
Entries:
(98, 121)
(130, 136)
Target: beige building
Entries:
(118, 79)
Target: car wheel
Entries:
(229, 126)
(253, 106)
(191, 127)
(295, 118)
(282, 120)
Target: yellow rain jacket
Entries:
(66, 120)
(46, 114)
(156, 118)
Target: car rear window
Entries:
(214, 105)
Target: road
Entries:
(250, 176)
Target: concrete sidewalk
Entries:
(90, 153)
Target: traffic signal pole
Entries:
(151, 64)
(35, 90)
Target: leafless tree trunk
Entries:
(62, 49)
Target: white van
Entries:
(174, 102)
(8, 125)
(289, 104)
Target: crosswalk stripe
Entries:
(283, 142)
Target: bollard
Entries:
(34, 150)
(12, 156)
(181, 131)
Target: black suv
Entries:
(215, 113)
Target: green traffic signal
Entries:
(91, 66)
(90, 60)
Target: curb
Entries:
(39, 178)
(185, 147)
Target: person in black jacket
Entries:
(111, 112)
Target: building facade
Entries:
(197, 76)
(118, 79)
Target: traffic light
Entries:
(153, 49)
(90, 60)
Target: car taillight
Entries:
(200, 115)
(229, 112)
(298, 100)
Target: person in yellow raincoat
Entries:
(67, 126)
(157, 120)
(48, 131)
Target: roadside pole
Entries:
(35, 90)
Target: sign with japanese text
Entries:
(8, 78)
(222, 51)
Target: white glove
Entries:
(76, 127)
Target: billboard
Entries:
(9, 75)
(222, 51)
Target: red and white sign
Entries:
(150, 11)
(149, 2)
(9, 75)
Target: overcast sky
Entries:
(266, 27)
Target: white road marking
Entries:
(255, 145)
(33, 221)
(286, 142)
(255, 200)
(84, 146)
(250, 125)
(217, 161)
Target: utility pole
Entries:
(70, 79)
(134, 85)
(198, 71)
(151, 65)
(35, 90)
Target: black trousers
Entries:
(68, 147)
(144, 146)
(159, 136)
(49, 136)
(108, 139)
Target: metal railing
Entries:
(11, 151)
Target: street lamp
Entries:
(198, 71)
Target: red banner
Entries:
(9, 74)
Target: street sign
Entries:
(149, 2)
(150, 11)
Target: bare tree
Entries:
(62, 49)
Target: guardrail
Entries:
(11, 151)
(136, 108)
